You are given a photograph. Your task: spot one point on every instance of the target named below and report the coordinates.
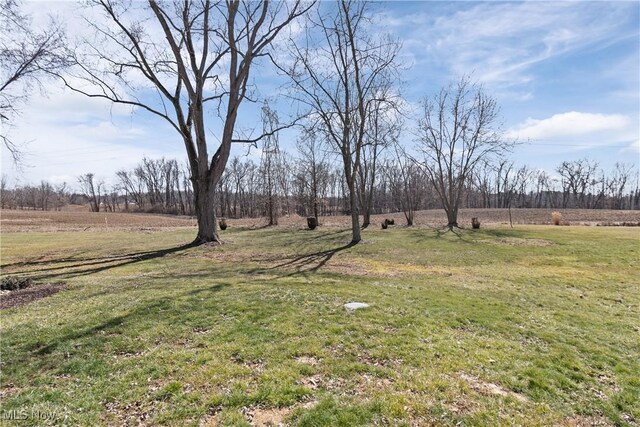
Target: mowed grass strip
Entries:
(536, 325)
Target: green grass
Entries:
(529, 326)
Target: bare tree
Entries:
(27, 57)
(339, 75)
(382, 130)
(545, 190)
(314, 169)
(4, 193)
(198, 63)
(271, 166)
(405, 180)
(61, 195)
(617, 183)
(133, 188)
(456, 131)
(577, 177)
(92, 189)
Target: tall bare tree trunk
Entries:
(355, 218)
(206, 214)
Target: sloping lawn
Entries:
(535, 325)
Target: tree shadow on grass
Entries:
(73, 267)
(305, 264)
(135, 315)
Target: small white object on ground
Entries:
(355, 305)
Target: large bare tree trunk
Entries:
(452, 218)
(206, 214)
(366, 218)
(355, 218)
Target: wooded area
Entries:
(311, 184)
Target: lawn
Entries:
(536, 325)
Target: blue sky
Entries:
(566, 76)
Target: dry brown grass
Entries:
(74, 220)
(26, 221)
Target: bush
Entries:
(475, 223)
(556, 217)
(312, 222)
(12, 283)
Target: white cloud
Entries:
(67, 134)
(570, 124)
(608, 137)
(501, 42)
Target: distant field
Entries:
(75, 220)
(24, 220)
(534, 325)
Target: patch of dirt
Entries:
(8, 390)
(587, 421)
(313, 382)
(490, 389)
(368, 382)
(628, 418)
(135, 413)
(308, 360)
(209, 421)
(259, 417)
(346, 268)
(379, 362)
(461, 407)
(255, 366)
(608, 382)
(24, 296)
(515, 241)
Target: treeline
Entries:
(312, 184)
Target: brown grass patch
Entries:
(8, 390)
(24, 296)
(136, 413)
(515, 241)
(258, 416)
(586, 421)
(267, 417)
(490, 389)
(25, 221)
(79, 220)
(312, 382)
(308, 360)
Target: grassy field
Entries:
(536, 325)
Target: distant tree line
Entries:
(312, 184)
(343, 78)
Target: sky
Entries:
(566, 76)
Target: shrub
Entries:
(312, 222)
(12, 283)
(556, 217)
